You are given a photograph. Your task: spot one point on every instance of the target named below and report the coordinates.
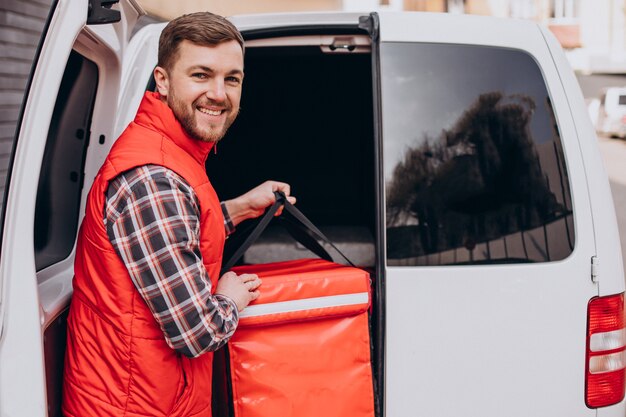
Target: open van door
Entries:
(489, 234)
(65, 131)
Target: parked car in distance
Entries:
(611, 119)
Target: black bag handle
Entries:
(306, 226)
(299, 226)
(302, 235)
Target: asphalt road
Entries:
(614, 156)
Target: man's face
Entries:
(203, 88)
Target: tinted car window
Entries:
(474, 167)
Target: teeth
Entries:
(210, 112)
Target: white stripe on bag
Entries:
(305, 304)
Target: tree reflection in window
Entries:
(482, 191)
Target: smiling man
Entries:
(148, 309)
(203, 90)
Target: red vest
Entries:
(117, 361)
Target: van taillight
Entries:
(606, 351)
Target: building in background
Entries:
(591, 31)
(21, 23)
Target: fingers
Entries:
(228, 275)
(248, 277)
(253, 203)
(242, 289)
(253, 285)
(292, 200)
(281, 186)
(286, 189)
(254, 295)
(251, 282)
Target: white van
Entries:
(612, 112)
(455, 150)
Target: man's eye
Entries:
(233, 80)
(199, 75)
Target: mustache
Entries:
(207, 103)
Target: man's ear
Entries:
(162, 81)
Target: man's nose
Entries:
(216, 90)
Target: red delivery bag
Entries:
(303, 347)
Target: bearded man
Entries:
(148, 309)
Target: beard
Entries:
(186, 115)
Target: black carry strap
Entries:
(300, 228)
(304, 236)
(308, 228)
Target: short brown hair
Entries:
(201, 28)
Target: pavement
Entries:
(614, 155)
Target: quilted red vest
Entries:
(117, 361)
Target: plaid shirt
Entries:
(152, 220)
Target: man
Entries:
(148, 309)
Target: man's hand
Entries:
(253, 203)
(241, 289)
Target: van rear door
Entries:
(64, 133)
(489, 236)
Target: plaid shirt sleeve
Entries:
(152, 220)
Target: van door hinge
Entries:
(370, 24)
(595, 265)
(100, 12)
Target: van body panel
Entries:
(607, 239)
(616, 410)
(489, 340)
(34, 301)
(493, 343)
(282, 20)
(140, 59)
(22, 375)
